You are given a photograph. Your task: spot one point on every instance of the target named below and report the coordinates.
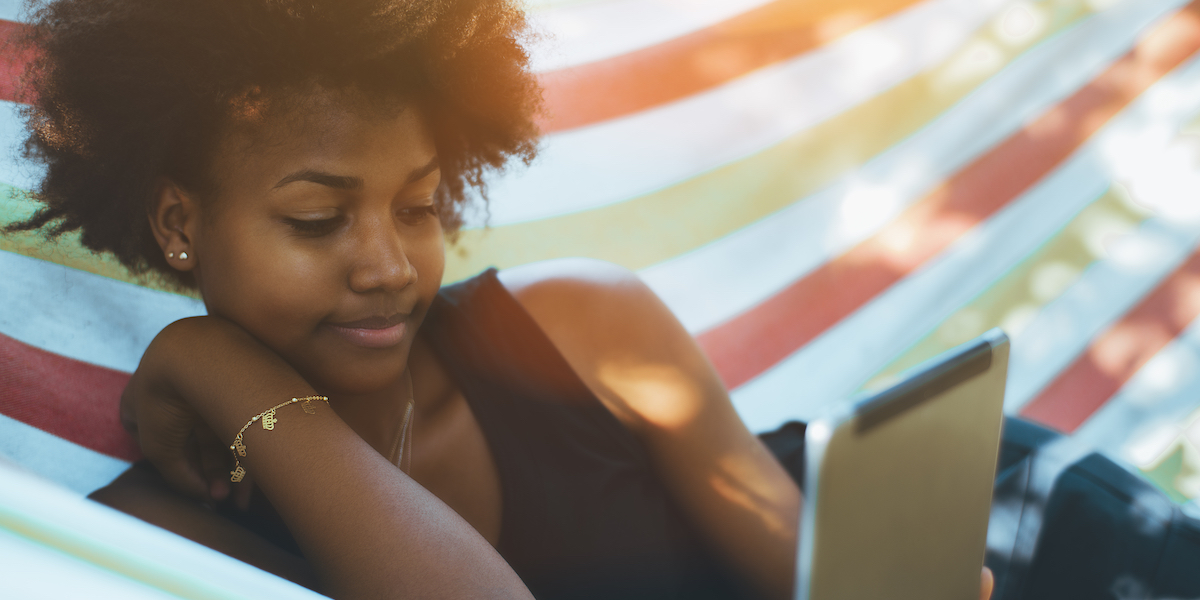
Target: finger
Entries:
(181, 473)
(165, 436)
(242, 492)
(128, 414)
(214, 462)
(987, 581)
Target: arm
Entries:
(638, 359)
(644, 366)
(398, 540)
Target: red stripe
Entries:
(673, 70)
(12, 64)
(68, 398)
(1118, 353)
(666, 72)
(752, 342)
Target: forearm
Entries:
(367, 529)
(745, 504)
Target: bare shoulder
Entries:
(568, 288)
(619, 337)
(644, 366)
(593, 303)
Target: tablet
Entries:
(899, 483)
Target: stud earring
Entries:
(183, 256)
(170, 255)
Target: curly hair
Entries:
(124, 92)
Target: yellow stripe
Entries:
(66, 250)
(1014, 299)
(1175, 471)
(650, 229)
(112, 557)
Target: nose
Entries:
(380, 262)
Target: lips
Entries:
(373, 332)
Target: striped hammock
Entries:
(826, 192)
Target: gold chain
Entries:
(268, 423)
(402, 446)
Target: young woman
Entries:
(549, 430)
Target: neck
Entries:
(374, 416)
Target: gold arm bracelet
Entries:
(268, 422)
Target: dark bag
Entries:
(1067, 523)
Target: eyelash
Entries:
(314, 228)
(418, 214)
(317, 228)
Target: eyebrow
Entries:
(420, 174)
(346, 182)
(337, 182)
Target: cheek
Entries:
(273, 290)
(429, 258)
(282, 291)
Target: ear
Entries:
(175, 218)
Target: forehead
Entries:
(319, 129)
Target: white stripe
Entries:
(1147, 415)
(635, 155)
(830, 368)
(83, 316)
(65, 463)
(583, 33)
(813, 231)
(15, 170)
(11, 10)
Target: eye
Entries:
(314, 227)
(416, 215)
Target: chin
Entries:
(333, 370)
(360, 386)
(362, 377)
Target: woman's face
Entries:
(322, 240)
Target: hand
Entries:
(166, 400)
(214, 461)
(987, 582)
(166, 426)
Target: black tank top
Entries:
(585, 515)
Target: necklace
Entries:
(401, 454)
